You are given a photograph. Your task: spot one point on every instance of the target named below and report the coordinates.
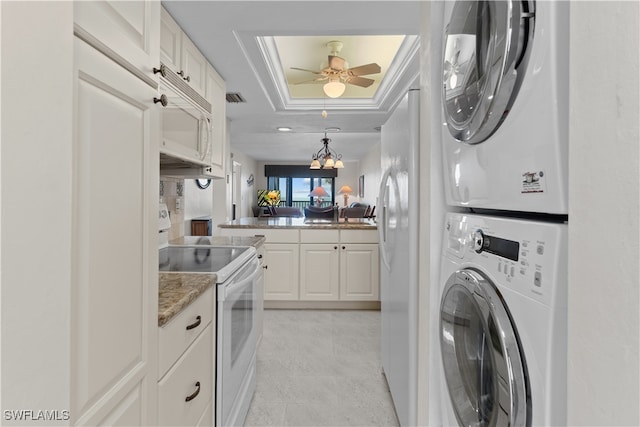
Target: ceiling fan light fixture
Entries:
(334, 89)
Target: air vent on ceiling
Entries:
(235, 97)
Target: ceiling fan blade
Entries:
(336, 63)
(304, 69)
(363, 70)
(319, 79)
(360, 81)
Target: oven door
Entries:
(236, 341)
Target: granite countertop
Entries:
(301, 223)
(254, 241)
(178, 290)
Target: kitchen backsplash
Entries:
(172, 193)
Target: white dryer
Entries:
(503, 322)
(505, 99)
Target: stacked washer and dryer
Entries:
(503, 278)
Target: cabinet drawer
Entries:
(195, 366)
(174, 337)
(358, 236)
(278, 236)
(319, 236)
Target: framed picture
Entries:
(361, 186)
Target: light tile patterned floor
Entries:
(320, 368)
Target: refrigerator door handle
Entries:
(383, 197)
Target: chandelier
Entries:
(326, 158)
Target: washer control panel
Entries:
(526, 256)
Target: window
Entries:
(295, 182)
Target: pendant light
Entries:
(326, 158)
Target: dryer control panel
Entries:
(528, 257)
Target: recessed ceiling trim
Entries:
(261, 54)
(396, 75)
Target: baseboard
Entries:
(323, 305)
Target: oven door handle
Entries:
(235, 286)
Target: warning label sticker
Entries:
(533, 182)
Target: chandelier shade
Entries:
(326, 158)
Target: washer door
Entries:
(487, 45)
(484, 368)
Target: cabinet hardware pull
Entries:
(259, 256)
(181, 73)
(195, 324)
(335, 247)
(266, 267)
(195, 393)
(344, 247)
(162, 100)
(162, 70)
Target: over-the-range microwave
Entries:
(186, 127)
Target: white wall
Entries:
(37, 135)
(247, 192)
(370, 168)
(604, 210)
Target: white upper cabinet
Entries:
(179, 53)
(127, 31)
(193, 65)
(216, 94)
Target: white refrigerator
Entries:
(398, 219)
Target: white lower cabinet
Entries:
(187, 357)
(319, 268)
(281, 276)
(187, 389)
(359, 272)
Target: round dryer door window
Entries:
(486, 50)
(484, 368)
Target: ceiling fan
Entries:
(338, 76)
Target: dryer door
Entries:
(484, 368)
(487, 45)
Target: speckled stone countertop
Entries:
(300, 223)
(178, 290)
(219, 241)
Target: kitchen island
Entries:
(315, 263)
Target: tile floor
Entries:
(320, 368)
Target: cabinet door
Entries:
(193, 64)
(130, 29)
(114, 274)
(216, 95)
(281, 276)
(170, 39)
(319, 272)
(359, 274)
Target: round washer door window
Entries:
(486, 50)
(484, 369)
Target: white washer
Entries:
(505, 98)
(503, 322)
